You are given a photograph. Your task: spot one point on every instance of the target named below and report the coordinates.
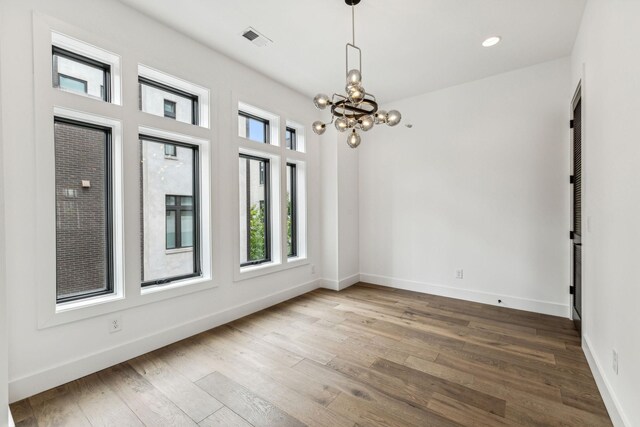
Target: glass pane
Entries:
(290, 137)
(186, 229)
(76, 76)
(155, 101)
(291, 171)
(169, 109)
(73, 84)
(171, 229)
(186, 201)
(169, 150)
(165, 184)
(253, 128)
(253, 211)
(82, 233)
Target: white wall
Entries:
(4, 397)
(348, 213)
(606, 58)
(329, 206)
(340, 211)
(480, 183)
(77, 348)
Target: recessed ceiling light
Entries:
(491, 41)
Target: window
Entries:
(162, 100)
(255, 224)
(170, 150)
(84, 216)
(253, 127)
(179, 229)
(170, 219)
(73, 84)
(292, 211)
(79, 74)
(290, 138)
(169, 109)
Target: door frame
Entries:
(577, 97)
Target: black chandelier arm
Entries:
(344, 108)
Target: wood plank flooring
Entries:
(365, 356)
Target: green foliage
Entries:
(257, 235)
(289, 228)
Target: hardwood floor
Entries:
(366, 356)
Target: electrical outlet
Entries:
(115, 324)
(313, 269)
(615, 362)
(459, 274)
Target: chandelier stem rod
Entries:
(353, 23)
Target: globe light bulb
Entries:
(366, 123)
(354, 77)
(351, 122)
(319, 127)
(381, 117)
(321, 101)
(353, 140)
(393, 117)
(356, 93)
(341, 124)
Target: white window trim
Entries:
(273, 119)
(48, 236)
(276, 264)
(205, 208)
(276, 151)
(85, 49)
(301, 212)
(301, 143)
(204, 99)
(45, 252)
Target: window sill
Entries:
(88, 302)
(250, 272)
(178, 251)
(174, 285)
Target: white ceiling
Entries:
(409, 46)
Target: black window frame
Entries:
(293, 139)
(294, 210)
(173, 105)
(197, 250)
(106, 69)
(267, 209)
(173, 152)
(178, 208)
(265, 122)
(110, 273)
(195, 115)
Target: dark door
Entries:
(576, 288)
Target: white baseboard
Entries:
(336, 285)
(616, 414)
(330, 284)
(37, 382)
(348, 281)
(11, 423)
(544, 307)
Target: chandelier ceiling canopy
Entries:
(357, 109)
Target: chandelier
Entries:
(357, 110)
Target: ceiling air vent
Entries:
(255, 37)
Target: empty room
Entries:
(319, 213)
